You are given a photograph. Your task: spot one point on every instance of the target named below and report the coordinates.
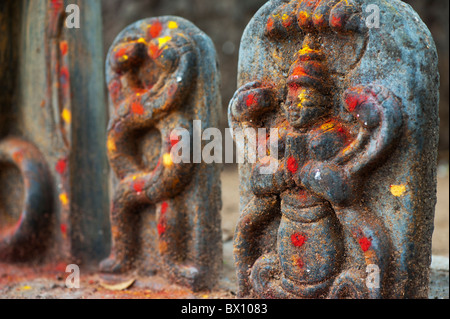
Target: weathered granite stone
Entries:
(53, 178)
(357, 111)
(162, 75)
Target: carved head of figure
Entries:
(155, 61)
(332, 38)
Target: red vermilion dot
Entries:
(336, 22)
(174, 141)
(287, 23)
(121, 53)
(64, 228)
(300, 263)
(64, 47)
(292, 165)
(302, 17)
(18, 157)
(57, 4)
(153, 51)
(299, 71)
(137, 108)
(365, 244)
(139, 186)
(298, 240)
(61, 166)
(164, 207)
(251, 100)
(352, 102)
(161, 227)
(155, 29)
(270, 23)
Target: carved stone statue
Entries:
(165, 216)
(349, 211)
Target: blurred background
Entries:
(224, 21)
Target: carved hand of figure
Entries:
(309, 15)
(378, 115)
(251, 101)
(247, 107)
(272, 183)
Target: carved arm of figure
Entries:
(379, 118)
(246, 109)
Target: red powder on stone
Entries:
(298, 240)
(270, 23)
(155, 29)
(61, 166)
(161, 227)
(64, 47)
(336, 22)
(153, 51)
(137, 108)
(64, 76)
(174, 141)
(292, 165)
(139, 186)
(164, 207)
(365, 244)
(57, 4)
(121, 53)
(251, 100)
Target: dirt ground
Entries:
(441, 222)
(49, 282)
(230, 215)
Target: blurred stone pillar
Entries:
(52, 101)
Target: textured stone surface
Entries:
(162, 75)
(357, 112)
(53, 167)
